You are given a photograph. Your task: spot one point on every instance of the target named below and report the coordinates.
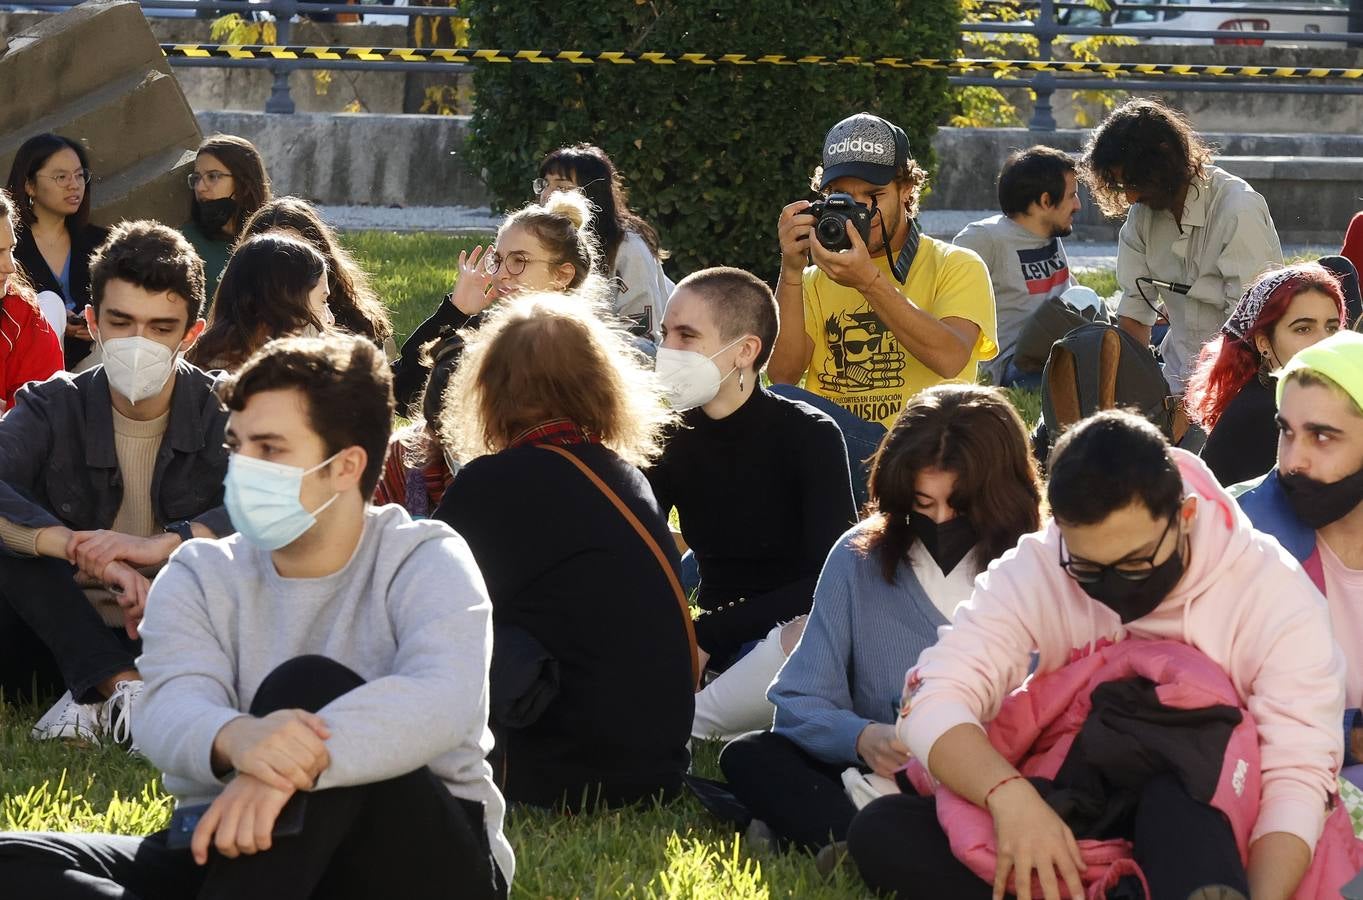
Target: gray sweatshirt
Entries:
(409, 613)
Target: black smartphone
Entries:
(186, 818)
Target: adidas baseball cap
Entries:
(866, 147)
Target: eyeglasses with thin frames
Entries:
(212, 177)
(1137, 569)
(67, 179)
(515, 263)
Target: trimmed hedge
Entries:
(710, 154)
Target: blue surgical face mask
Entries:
(264, 500)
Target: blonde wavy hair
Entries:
(540, 357)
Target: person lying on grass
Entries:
(316, 685)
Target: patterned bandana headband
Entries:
(1246, 312)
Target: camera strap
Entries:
(900, 267)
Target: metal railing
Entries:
(1037, 19)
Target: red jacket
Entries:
(29, 349)
(1038, 723)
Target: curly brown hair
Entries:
(1147, 147)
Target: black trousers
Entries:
(1180, 844)
(48, 628)
(406, 837)
(800, 797)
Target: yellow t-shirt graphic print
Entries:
(857, 361)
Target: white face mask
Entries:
(692, 379)
(137, 367)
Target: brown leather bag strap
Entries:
(652, 545)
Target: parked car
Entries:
(1310, 16)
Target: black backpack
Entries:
(1099, 366)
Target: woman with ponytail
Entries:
(953, 486)
(1230, 392)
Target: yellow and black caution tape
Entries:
(645, 57)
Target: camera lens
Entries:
(831, 230)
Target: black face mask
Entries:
(1131, 600)
(947, 543)
(212, 215)
(1316, 503)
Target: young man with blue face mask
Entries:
(102, 476)
(317, 684)
(738, 441)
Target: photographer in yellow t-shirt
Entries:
(883, 311)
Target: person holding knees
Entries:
(316, 684)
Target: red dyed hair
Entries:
(1226, 364)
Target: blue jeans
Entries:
(862, 437)
(1013, 377)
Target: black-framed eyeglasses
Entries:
(515, 263)
(1137, 569)
(66, 179)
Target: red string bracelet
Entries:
(999, 785)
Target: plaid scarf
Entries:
(563, 432)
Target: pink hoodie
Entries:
(1243, 601)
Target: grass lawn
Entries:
(676, 851)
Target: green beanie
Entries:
(1339, 358)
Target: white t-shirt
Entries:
(641, 287)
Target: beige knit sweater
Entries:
(136, 445)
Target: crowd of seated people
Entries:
(419, 584)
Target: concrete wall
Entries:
(210, 89)
(361, 159)
(377, 92)
(1312, 182)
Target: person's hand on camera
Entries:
(880, 748)
(1031, 837)
(851, 267)
(795, 229)
(471, 292)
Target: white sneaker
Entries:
(116, 715)
(69, 720)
